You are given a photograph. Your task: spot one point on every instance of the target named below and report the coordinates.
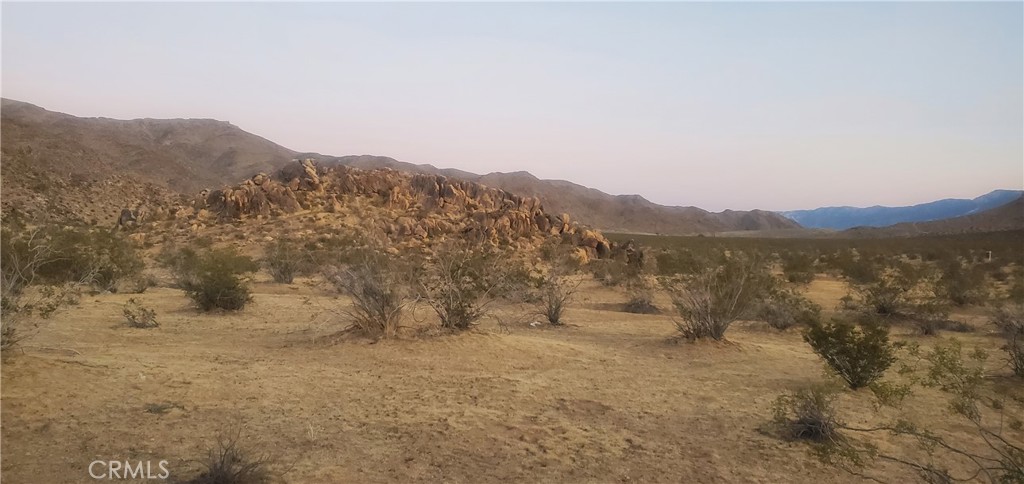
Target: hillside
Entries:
(47, 155)
(840, 218)
(184, 155)
(1009, 216)
(614, 213)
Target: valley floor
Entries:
(604, 399)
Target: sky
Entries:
(775, 106)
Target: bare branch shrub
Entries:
(556, 293)
(709, 302)
(461, 281)
(380, 288)
(284, 260)
(227, 462)
(1010, 321)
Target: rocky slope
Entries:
(411, 210)
(612, 213)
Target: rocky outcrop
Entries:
(409, 206)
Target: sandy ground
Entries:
(604, 399)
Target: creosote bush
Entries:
(859, 356)
(461, 281)
(556, 293)
(785, 309)
(640, 291)
(284, 260)
(1010, 321)
(709, 302)
(213, 279)
(380, 288)
(138, 316)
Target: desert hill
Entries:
(49, 155)
(306, 201)
(840, 218)
(1009, 216)
(615, 213)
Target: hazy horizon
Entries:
(740, 106)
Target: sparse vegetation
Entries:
(808, 414)
(1010, 321)
(785, 309)
(859, 356)
(709, 302)
(138, 316)
(556, 293)
(380, 290)
(461, 282)
(284, 260)
(213, 279)
(227, 462)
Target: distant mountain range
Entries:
(1009, 216)
(44, 148)
(840, 218)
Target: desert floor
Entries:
(606, 398)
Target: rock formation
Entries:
(412, 208)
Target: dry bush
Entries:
(858, 356)
(709, 302)
(1010, 321)
(461, 281)
(23, 289)
(381, 290)
(138, 316)
(886, 297)
(785, 309)
(556, 293)
(808, 414)
(284, 260)
(640, 292)
(228, 463)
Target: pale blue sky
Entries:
(737, 105)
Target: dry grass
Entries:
(602, 400)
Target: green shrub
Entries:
(962, 286)
(213, 279)
(786, 309)
(859, 357)
(1010, 321)
(81, 256)
(798, 267)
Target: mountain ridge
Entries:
(187, 155)
(847, 217)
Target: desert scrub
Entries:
(461, 281)
(710, 301)
(380, 290)
(228, 462)
(859, 356)
(785, 309)
(138, 316)
(1010, 321)
(556, 292)
(213, 279)
(284, 260)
